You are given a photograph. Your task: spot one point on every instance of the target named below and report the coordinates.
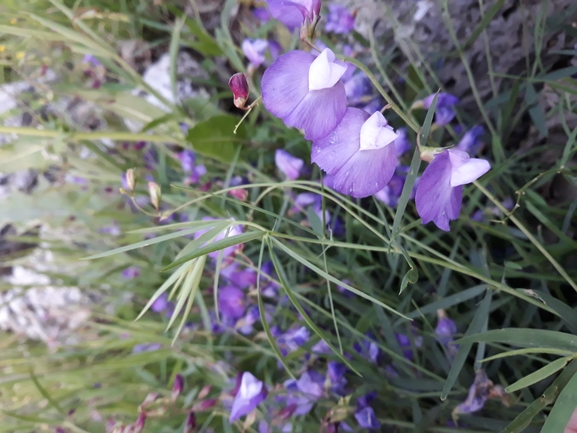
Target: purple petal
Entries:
(471, 142)
(436, 200)
(286, 12)
(250, 394)
(311, 383)
(367, 419)
(291, 166)
(339, 20)
(254, 50)
(464, 169)
(285, 83)
(231, 302)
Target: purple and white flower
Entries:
(440, 190)
(359, 153)
(306, 92)
(250, 394)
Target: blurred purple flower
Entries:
(470, 142)
(231, 302)
(391, 193)
(440, 190)
(261, 14)
(359, 89)
(336, 373)
(192, 171)
(306, 92)
(321, 348)
(146, 347)
(250, 394)
(368, 348)
(91, 60)
(162, 304)
(254, 50)
(241, 278)
(311, 384)
(478, 394)
(230, 232)
(340, 20)
(289, 165)
(245, 323)
(131, 272)
(306, 199)
(292, 339)
(445, 329)
(294, 13)
(405, 344)
(177, 386)
(402, 143)
(366, 418)
(444, 109)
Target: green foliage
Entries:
(506, 279)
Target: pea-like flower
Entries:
(295, 13)
(440, 190)
(254, 50)
(250, 394)
(359, 153)
(444, 111)
(306, 92)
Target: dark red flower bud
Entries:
(190, 423)
(177, 386)
(239, 86)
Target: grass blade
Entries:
(539, 375)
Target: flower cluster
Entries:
(356, 147)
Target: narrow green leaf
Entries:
(517, 352)
(485, 21)
(216, 246)
(263, 319)
(449, 301)
(301, 310)
(149, 242)
(522, 421)
(476, 325)
(406, 194)
(45, 393)
(525, 337)
(315, 221)
(173, 53)
(563, 310)
(191, 292)
(323, 274)
(539, 375)
(165, 286)
(563, 409)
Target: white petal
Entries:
(468, 171)
(376, 133)
(324, 71)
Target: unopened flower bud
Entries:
(204, 391)
(130, 182)
(429, 153)
(205, 404)
(239, 86)
(139, 425)
(333, 427)
(190, 423)
(155, 194)
(150, 398)
(177, 386)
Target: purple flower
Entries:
(250, 394)
(311, 384)
(471, 142)
(359, 89)
(440, 190)
(241, 278)
(254, 50)
(177, 386)
(445, 329)
(391, 193)
(366, 418)
(306, 91)
(336, 373)
(161, 304)
(192, 171)
(294, 13)
(261, 14)
(444, 112)
(231, 302)
(339, 20)
(479, 392)
(359, 153)
(292, 339)
(131, 272)
(402, 143)
(306, 199)
(368, 348)
(146, 347)
(405, 344)
(232, 231)
(290, 166)
(245, 324)
(91, 60)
